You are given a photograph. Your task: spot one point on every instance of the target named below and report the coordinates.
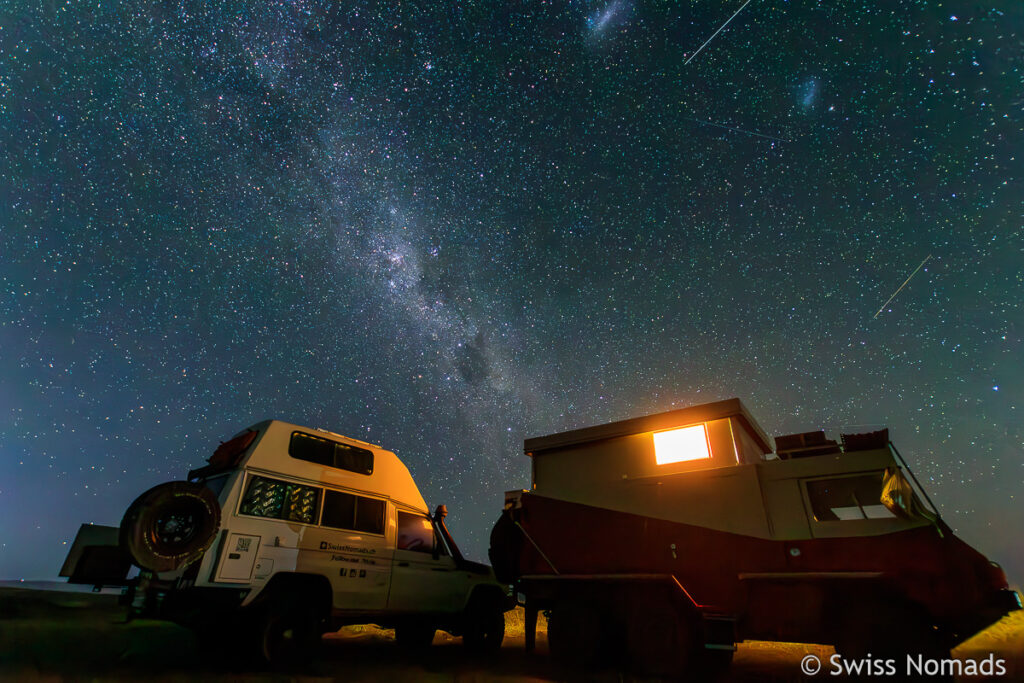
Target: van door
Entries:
(349, 548)
(421, 582)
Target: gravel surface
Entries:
(81, 636)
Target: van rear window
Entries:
(330, 453)
(280, 500)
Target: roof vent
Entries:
(865, 442)
(804, 445)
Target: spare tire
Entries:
(506, 549)
(170, 526)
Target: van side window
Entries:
(846, 498)
(280, 500)
(355, 513)
(330, 453)
(415, 532)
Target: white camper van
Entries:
(290, 532)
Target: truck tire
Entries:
(886, 631)
(661, 640)
(575, 633)
(287, 634)
(170, 526)
(714, 664)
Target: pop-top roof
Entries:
(732, 407)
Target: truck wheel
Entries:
(661, 641)
(485, 626)
(714, 664)
(895, 632)
(288, 634)
(414, 635)
(170, 526)
(575, 633)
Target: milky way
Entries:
(446, 229)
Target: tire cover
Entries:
(170, 526)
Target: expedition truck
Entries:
(290, 532)
(664, 540)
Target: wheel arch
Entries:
(298, 585)
(487, 594)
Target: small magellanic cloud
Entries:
(807, 93)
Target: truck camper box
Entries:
(685, 532)
(678, 465)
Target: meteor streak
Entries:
(902, 286)
(715, 33)
(737, 130)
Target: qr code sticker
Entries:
(243, 545)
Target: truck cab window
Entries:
(847, 498)
(416, 532)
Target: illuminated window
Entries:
(416, 532)
(281, 500)
(681, 445)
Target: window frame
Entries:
(335, 443)
(323, 490)
(250, 476)
(439, 546)
(355, 513)
(834, 528)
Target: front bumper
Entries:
(1012, 600)
(1000, 604)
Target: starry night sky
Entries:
(446, 229)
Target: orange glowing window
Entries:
(681, 445)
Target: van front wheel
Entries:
(484, 628)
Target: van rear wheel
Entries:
(288, 634)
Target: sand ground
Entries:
(50, 636)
